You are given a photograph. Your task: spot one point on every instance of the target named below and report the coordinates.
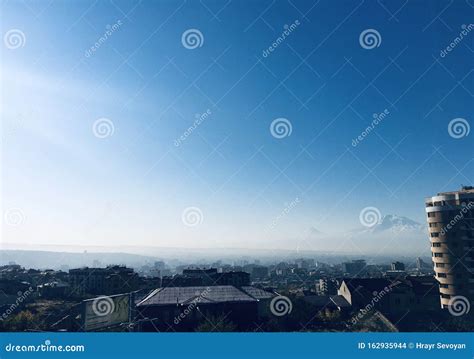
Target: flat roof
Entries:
(464, 189)
(258, 293)
(197, 294)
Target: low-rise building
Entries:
(109, 280)
(206, 277)
(185, 308)
(355, 267)
(394, 297)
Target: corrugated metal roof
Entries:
(258, 293)
(201, 294)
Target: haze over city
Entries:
(238, 166)
(241, 184)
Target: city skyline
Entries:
(120, 129)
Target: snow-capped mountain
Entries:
(391, 233)
(395, 224)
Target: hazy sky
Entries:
(64, 184)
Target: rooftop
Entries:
(370, 284)
(201, 294)
(257, 293)
(464, 189)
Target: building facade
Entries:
(451, 230)
(356, 267)
(110, 280)
(397, 266)
(206, 277)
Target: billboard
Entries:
(106, 311)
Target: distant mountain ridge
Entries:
(394, 223)
(392, 234)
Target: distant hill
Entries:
(54, 260)
(394, 224)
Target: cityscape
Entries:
(301, 294)
(237, 166)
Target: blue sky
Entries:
(72, 187)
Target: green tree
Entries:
(21, 321)
(217, 324)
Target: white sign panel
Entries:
(106, 311)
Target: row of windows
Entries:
(453, 214)
(458, 276)
(451, 244)
(452, 202)
(454, 230)
(447, 296)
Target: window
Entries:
(445, 296)
(438, 255)
(440, 265)
(431, 214)
(444, 285)
(433, 224)
(441, 275)
(436, 244)
(435, 234)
